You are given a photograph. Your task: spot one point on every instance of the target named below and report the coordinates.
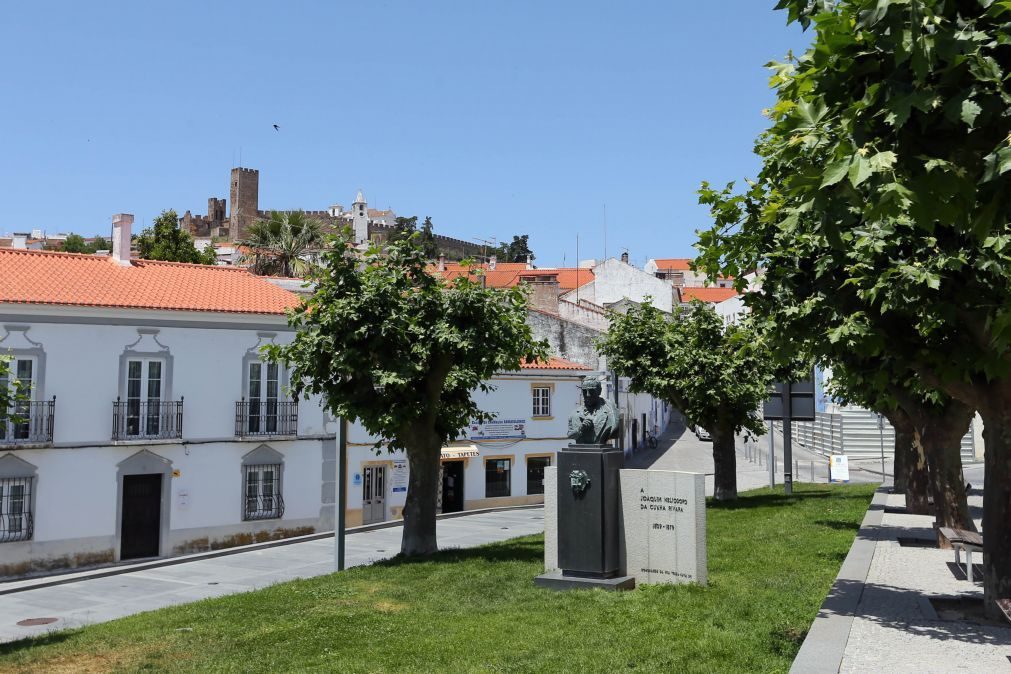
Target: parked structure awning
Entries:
(466, 452)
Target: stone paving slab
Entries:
(94, 600)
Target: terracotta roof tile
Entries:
(711, 295)
(553, 364)
(42, 277)
(506, 275)
(673, 263)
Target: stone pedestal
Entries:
(589, 534)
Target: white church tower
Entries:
(360, 218)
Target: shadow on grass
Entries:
(523, 550)
(47, 639)
(772, 500)
(839, 524)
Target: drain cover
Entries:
(33, 622)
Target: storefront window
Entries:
(535, 473)
(497, 474)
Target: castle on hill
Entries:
(368, 224)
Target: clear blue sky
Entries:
(495, 118)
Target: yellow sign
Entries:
(176, 473)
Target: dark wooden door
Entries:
(141, 523)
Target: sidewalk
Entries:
(879, 615)
(95, 600)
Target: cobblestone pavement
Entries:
(95, 600)
(896, 629)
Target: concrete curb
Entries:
(825, 644)
(24, 585)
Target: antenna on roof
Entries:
(605, 231)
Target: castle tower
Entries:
(245, 198)
(360, 218)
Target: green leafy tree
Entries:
(403, 229)
(427, 239)
(881, 211)
(286, 244)
(100, 243)
(716, 374)
(389, 345)
(516, 251)
(75, 243)
(165, 240)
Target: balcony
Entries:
(28, 423)
(146, 420)
(267, 418)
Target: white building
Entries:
(154, 428)
(615, 280)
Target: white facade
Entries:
(615, 280)
(79, 510)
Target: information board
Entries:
(499, 429)
(398, 476)
(839, 468)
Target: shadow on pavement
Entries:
(644, 457)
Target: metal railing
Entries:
(16, 523)
(824, 435)
(265, 418)
(145, 420)
(29, 422)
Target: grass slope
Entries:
(772, 560)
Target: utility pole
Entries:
(342, 493)
(787, 444)
(772, 457)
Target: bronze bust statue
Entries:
(595, 421)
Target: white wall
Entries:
(615, 280)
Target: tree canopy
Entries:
(717, 375)
(166, 240)
(516, 251)
(285, 244)
(880, 215)
(401, 351)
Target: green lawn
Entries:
(771, 562)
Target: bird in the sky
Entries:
(277, 128)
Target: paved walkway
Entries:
(96, 600)
(896, 628)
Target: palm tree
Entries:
(285, 244)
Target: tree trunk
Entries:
(917, 478)
(996, 506)
(724, 463)
(422, 496)
(940, 431)
(900, 456)
(910, 468)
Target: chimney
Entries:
(624, 257)
(442, 262)
(492, 261)
(121, 225)
(544, 292)
(530, 263)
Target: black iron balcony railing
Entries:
(147, 420)
(29, 422)
(258, 418)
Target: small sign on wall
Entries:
(183, 498)
(356, 479)
(398, 476)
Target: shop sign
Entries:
(500, 429)
(398, 477)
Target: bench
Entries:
(961, 539)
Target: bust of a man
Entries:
(595, 421)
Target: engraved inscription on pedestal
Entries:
(664, 517)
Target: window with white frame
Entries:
(542, 401)
(15, 509)
(144, 397)
(262, 491)
(263, 389)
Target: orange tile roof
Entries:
(675, 263)
(43, 277)
(711, 295)
(508, 274)
(553, 364)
